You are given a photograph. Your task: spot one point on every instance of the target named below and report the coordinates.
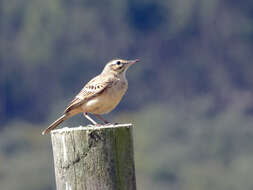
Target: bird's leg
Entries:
(90, 119)
(101, 118)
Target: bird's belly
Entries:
(105, 102)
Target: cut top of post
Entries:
(90, 127)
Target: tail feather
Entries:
(56, 123)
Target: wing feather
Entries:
(93, 88)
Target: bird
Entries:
(100, 95)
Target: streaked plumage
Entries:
(100, 95)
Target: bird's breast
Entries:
(107, 100)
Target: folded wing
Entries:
(93, 88)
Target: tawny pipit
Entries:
(100, 95)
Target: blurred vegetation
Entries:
(190, 97)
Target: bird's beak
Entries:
(131, 62)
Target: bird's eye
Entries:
(118, 62)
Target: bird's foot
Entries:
(97, 125)
(108, 123)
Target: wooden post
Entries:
(94, 158)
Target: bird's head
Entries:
(118, 66)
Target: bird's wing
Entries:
(93, 88)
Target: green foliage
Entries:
(182, 145)
(189, 46)
(26, 158)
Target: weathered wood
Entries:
(94, 158)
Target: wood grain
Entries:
(94, 158)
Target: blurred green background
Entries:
(190, 97)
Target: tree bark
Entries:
(94, 158)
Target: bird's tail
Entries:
(56, 123)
